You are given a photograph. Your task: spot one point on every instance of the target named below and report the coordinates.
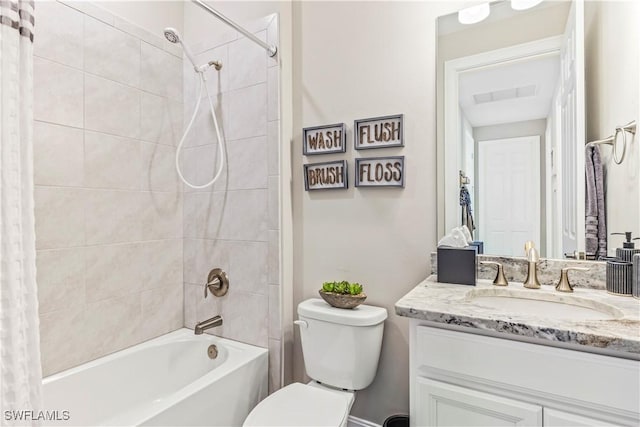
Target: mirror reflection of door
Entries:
(509, 193)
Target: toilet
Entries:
(341, 349)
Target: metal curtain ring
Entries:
(615, 145)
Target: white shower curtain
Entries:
(21, 373)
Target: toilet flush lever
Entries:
(301, 323)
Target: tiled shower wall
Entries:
(235, 224)
(108, 112)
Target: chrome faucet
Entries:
(207, 324)
(532, 273)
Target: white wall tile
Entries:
(192, 215)
(173, 48)
(203, 131)
(111, 53)
(246, 112)
(113, 324)
(123, 235)
(247, 163)
(273, 94)
(191, 293)
(159, 168)
(162, 311)
(60, 33)
(274, 257)
(202, 255)
(274, 203)
(156, 40)
(189, 159)
(245, 317)
(247, 62)
(111, 162)
(275, 365)
(241, 216)
(162, 265)
(274, 312)
(248, 266)
(94, 11)
(217, 80)
(57, 93)
(273, 149)
(63, 342)
(160, 72)
(161, 119)
(113, 270)
(207, 166)
(58, 155)
(59, 214)
(111, 107)
(160, 215)
(60, 277)
(113, 216)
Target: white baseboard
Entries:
(359, 422)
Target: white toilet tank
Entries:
(341, 347)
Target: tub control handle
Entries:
(217, 283)
(301, 323)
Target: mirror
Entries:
(519, 94)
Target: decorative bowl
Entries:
(343, 300)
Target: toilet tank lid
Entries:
(363, 315)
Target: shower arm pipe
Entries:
(271, 49)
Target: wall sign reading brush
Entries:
(325, 176)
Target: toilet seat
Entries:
(302, 405)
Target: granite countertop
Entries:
(455, 305)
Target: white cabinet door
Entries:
(442, 404)
(556, 418)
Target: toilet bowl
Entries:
(303, 405)
(341, 349)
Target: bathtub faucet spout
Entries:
(207, 324)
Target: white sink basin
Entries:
(542, 304)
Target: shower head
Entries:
(173, 36)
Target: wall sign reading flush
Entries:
(378, 132)
(324, 176)
(380, 172)
(324, 139)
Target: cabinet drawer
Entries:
(598, 380)
(442, 404)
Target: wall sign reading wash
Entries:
(324, 139)
(378, 132)
(380, 172)
(323, 176)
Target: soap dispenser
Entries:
(628, 250)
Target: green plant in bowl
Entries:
(342, 294)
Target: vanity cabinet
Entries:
(459, 378)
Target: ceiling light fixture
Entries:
(474, 14)
(524, 4)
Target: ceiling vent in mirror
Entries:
(504, 94)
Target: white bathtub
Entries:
(168, 381)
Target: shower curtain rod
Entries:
(271, 49)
